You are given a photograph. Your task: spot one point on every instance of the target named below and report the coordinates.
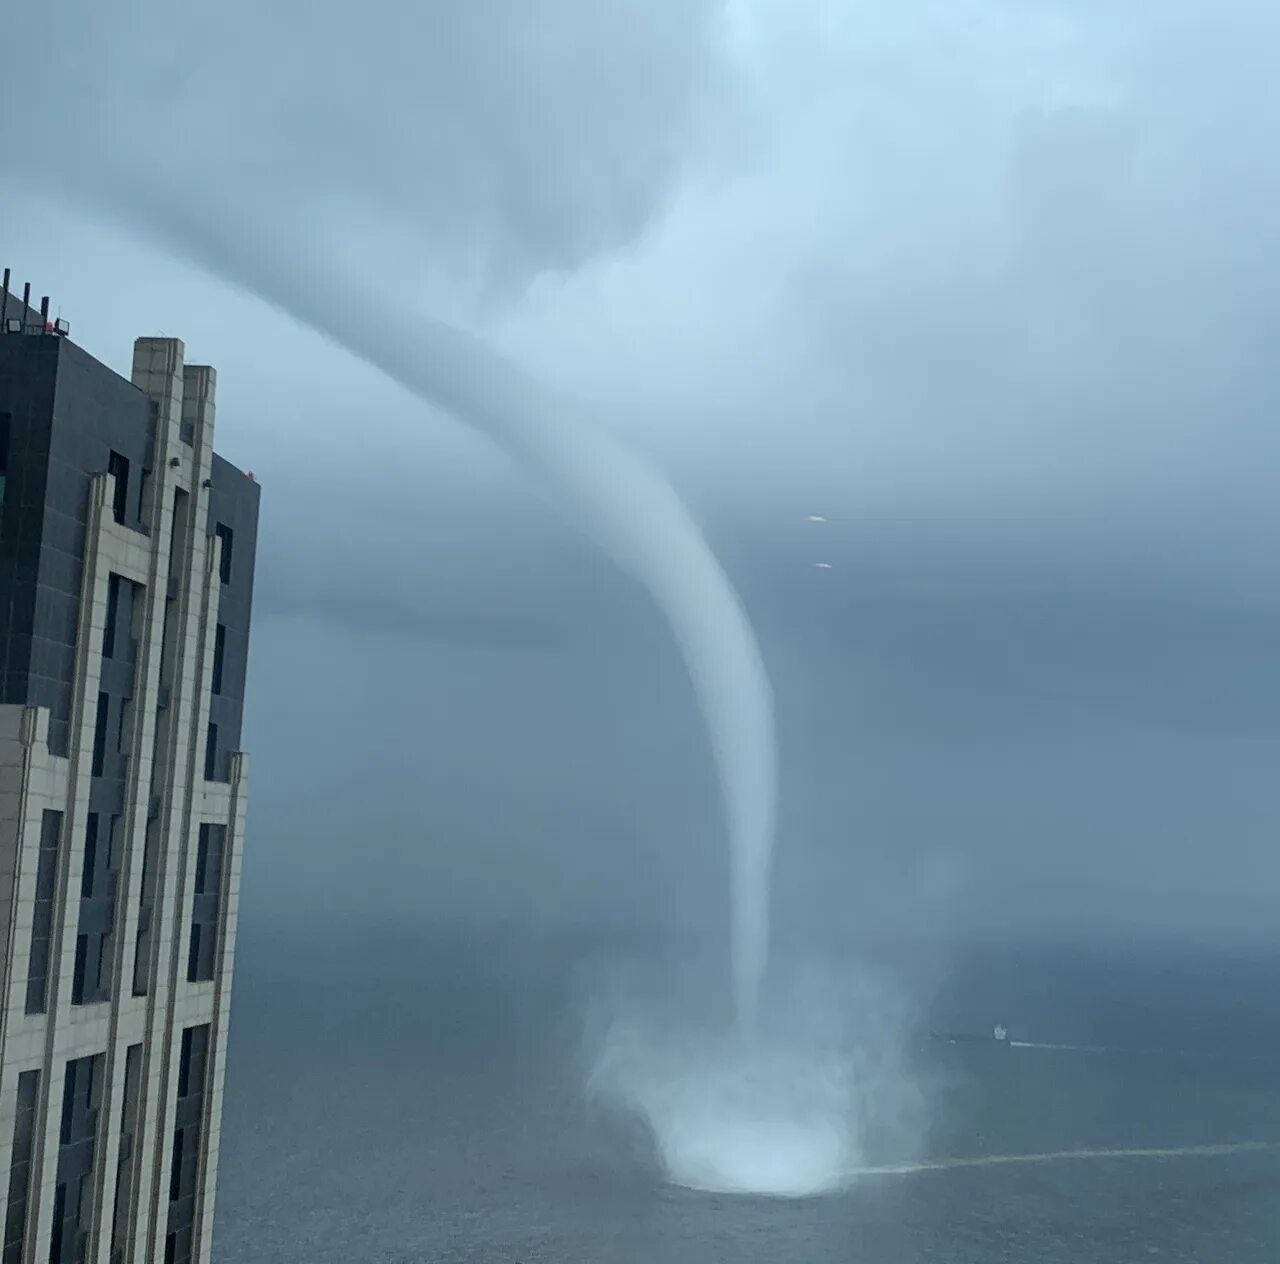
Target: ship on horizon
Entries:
(999, 1034)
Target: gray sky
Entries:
(992, 287)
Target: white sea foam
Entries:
(1063, 1156)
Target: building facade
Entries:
(126, 576)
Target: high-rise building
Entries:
(126, 573)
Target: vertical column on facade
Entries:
(198, 413)
(31, 782)
(178, 748)
(63, 1038)
(230, 916)
(15, 769)
(158, 372)
(111, 1028)
(190, 1006)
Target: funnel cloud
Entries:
(609, 491)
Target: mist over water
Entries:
(735, 1116)
(795, 1108)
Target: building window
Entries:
(59, 1220)
(146, 903)
(209, 858)
(142, 953)
(78, 978)
(73, 1194)
(88, 873)
(175, 1168)
(90, 983)
(219, 656)
(227, 536)
(109, 862)
(184, 1170)
(211, 754)
(130, 1121)
(191, 1063)
(143, 476)
(100, 734)
(91, 979)
(102, 966)
(119, 466)
(206, 904)
(24, 1135)
(196, 954)
(113, 614)
(178, 533)
(42, 917)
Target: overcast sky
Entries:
(994, 288)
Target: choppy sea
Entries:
(394, 1100)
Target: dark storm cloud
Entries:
(444, 583)
(993, 615)
(372, 602)
(482, 142)
(451, 545)
(993, 288)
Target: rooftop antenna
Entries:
(44, 313)
(4, 298)
(26, 302)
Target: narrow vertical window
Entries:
(88, 873)
(206, 904)
(113, 615)
(227, 536)
(184, 1172)
(119, 466)
(73, 1206)
(143, 475)
(219, 657)
(211, 754)
(125, 1171)
(146, 902)
(194, 955)
(175, 1168)
(42, 916)
(100, 734)
(78, 977)
(24, 1133)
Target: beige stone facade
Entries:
(141, 1077)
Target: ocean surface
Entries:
(422, 1100)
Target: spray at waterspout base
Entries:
(786, 1107)
(733, 1116)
